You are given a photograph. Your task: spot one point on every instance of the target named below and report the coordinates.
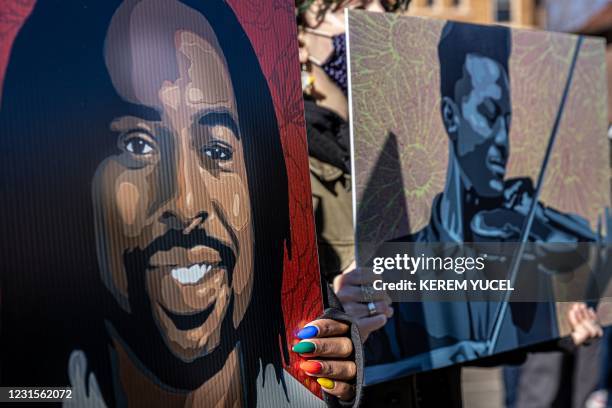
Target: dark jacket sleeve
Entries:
(336, 312)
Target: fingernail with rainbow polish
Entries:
(308, 332)
(311, 367)
(304, 347)
(326, 383)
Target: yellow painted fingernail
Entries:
(326, 383)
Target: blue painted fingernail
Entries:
(308, 332)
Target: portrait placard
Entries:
(157, 237)
(465, 135)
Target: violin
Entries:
(556, 235)
(506, 222)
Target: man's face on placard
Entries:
(482, 123)
(177, 191)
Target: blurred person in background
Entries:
(325, 84)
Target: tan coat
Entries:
(332, 203)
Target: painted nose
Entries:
(501, 137)
(190, 204)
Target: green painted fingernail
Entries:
(304, 347)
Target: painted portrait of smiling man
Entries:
(175, 199)
(147, 205)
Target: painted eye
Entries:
(218, 152)
(138, 145)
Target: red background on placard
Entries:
(271, 27)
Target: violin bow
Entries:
(518, 255)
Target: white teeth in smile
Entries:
(192, 274)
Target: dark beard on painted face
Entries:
(140, 333)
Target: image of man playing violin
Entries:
(479, 204)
